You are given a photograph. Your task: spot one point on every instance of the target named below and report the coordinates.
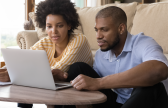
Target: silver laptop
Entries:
(30, 68)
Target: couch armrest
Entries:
(27, 38)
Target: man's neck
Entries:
(118, 49)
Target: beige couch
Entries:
(152, 19)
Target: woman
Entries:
(63, 47)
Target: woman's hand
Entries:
(4, 77)
(59, 75)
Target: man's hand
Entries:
(59, 75)
(4, 77)
(83, 82)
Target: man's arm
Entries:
(145, 74)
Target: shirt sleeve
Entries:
(153, 51)
(78, 51)
(42, 44)
(37, 46)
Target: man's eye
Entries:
(105, 30)
(96, 30)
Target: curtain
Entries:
(103, 2)
(91, 3)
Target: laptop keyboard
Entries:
(58, 85)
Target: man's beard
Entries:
(109, 47)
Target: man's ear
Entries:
(121, 28)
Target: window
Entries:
(85, 3)
(79, 3)
(36, 2)
(11, 21)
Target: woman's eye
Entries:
(60, 26)
(48, 26)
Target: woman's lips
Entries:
(55, 37)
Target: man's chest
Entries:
(118, 64)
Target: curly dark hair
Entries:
(64, 8)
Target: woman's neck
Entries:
(59, 48)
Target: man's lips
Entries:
(101, 42)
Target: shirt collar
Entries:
(128, 43)
(109, 55)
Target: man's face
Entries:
(107, 33)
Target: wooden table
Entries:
(68, 96)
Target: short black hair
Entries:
(117, 14)
(64, 8)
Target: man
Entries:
(127, 69)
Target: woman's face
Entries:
(57, 29)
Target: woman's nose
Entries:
(54, 30)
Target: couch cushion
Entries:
(41, 33)
(166, 55)
(87, 18)
(152, 19)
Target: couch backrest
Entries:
(152, 19)
(148, 18)
(87, 18)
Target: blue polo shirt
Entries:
(137, 49)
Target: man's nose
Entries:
(99, 35)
